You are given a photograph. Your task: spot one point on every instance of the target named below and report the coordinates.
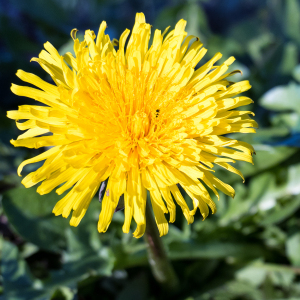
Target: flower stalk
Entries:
(158, 259)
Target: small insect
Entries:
(107, 192)
(157, 113)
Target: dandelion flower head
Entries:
(141, 116)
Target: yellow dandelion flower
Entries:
(142, 117)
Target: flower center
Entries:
(139, 125)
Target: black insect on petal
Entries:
(102, 189)
(120, 205)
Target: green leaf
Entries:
(256, 272)
(246, 198)
(274, 191)
(233, 290)
(257, 45)
(293, 179)
(31, 216)
(64, 293)
(296, 73)
(212, 250)
(84, 256)
(274, 237)
(281, 214)
(280, 98)
(252, 274)
(17, 279)
(19, 283)
(293, 249)
(289, 58)
(265, 158)
(262, 135)
(292, 19)
(289, 120)
(81, 261)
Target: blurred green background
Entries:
(250, 249)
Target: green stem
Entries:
(161, 267)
